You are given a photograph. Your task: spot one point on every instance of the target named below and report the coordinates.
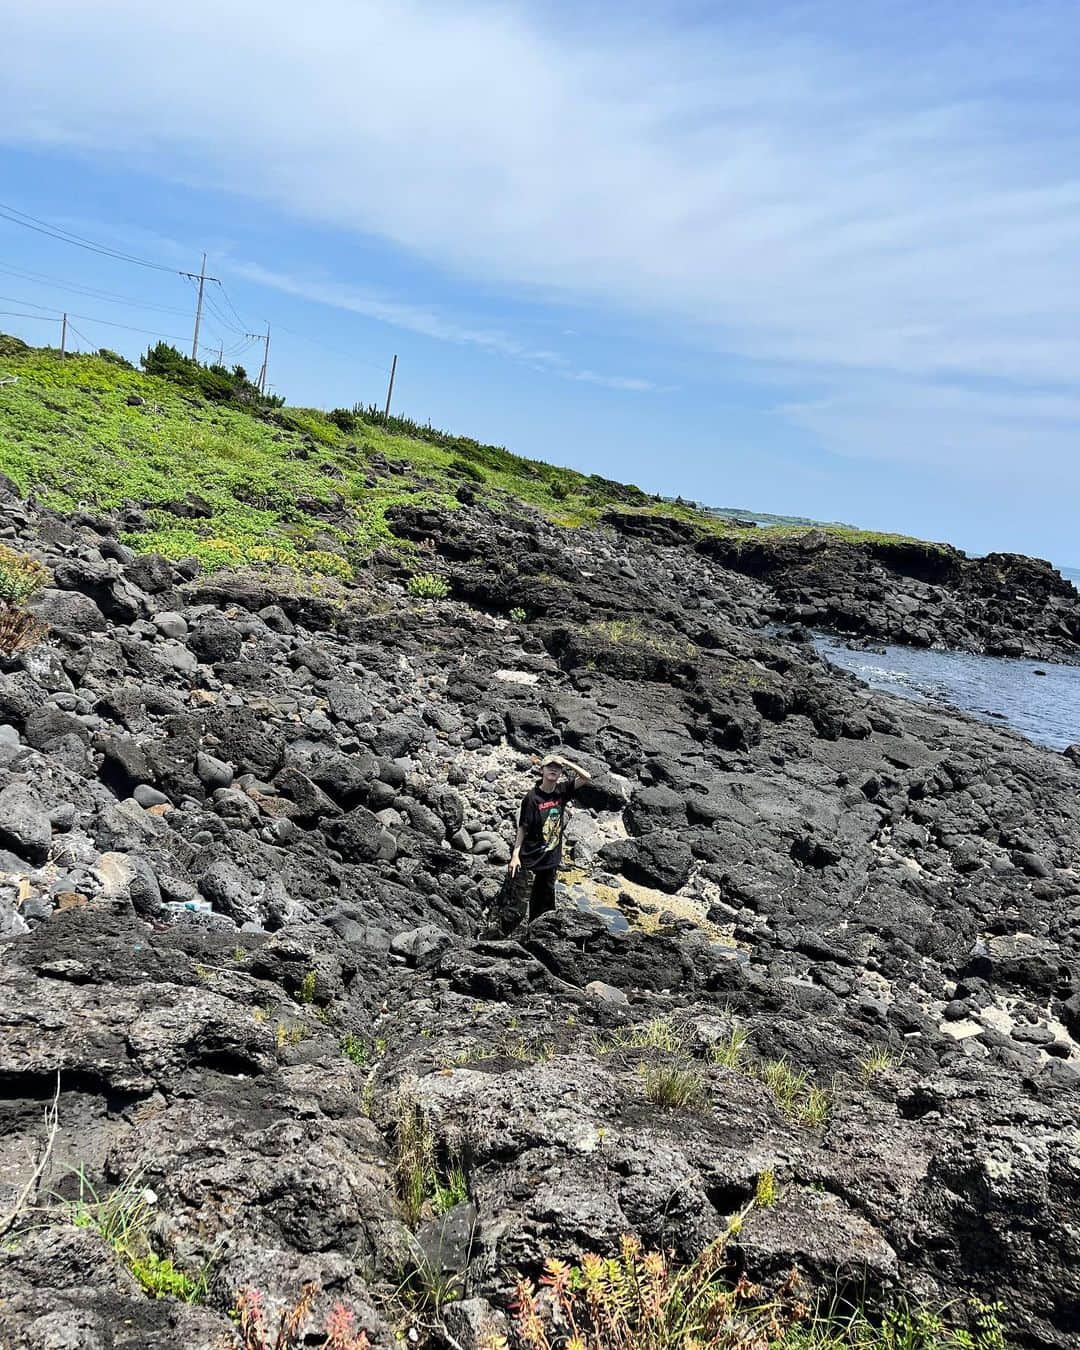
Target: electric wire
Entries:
(92, 291)
(16, 217)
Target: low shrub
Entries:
(427, 586)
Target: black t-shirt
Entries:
(544, 816)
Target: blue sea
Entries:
(1039, 700)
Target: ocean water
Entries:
(1039, 700)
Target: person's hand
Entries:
(514, 865)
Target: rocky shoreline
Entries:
(892, 589)
(247, 837)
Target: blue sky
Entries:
(814, 258)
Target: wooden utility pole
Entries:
(202, 279)
(63, 335)
(390, 391)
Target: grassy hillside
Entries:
(288, 485)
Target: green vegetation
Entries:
(676, 1087)
(424, 1183)
(355, 1048)
(799, 1100)
(253, 483)
(306, 992)
(122, 1219)
(641, 1300)
(20, 577)
(877, 1061)
(657, 1034)
(765, 1192)
(728, 1053)
(427, 586)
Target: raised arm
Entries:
(582, 775)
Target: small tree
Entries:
(20, 577)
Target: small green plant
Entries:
(427, 586)
(676, 1087)
(287, 1331)
(528, 1052)
(288, 1033)
(306, 992)
(474, 1054)
(162, 1280)
(765, 1191)
(814, 1108)
(355, 1048)
(518, 614)
(421, 1182)
(799, 1100)
(900, 1327)
(239, 955)
(729, 1052)
(658, 1034)
(122, 1219)
(877, 1061)
(20, 578)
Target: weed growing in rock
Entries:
(286, 1034)
(639, 1301)
(900, 1328)
(422, 1183)
(729, 1052)
(765, 1191)
(877, 1061)
(355, 1048)
(20, 577)
(796, 1097)
(306, 992)
(677, 1087)
(122, 1219)
(474, 1054)
(286, 1331)
(427, 586)
(162, 1279)
(658, 1034)
(528, 1052)
(518, 614)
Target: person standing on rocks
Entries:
(534, 863)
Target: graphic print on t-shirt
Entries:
(551, 829)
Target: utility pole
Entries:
(264, 369)
(202, 279)
(63, 336)
(390, 391)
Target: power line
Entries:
(229, 302)
(17, 314)
(92, 291)
(28, 222)
(18, 300)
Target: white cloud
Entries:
(904, 216)
(430, 323)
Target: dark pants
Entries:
(531, 893)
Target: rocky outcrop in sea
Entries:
(248, 837)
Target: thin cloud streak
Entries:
(428, 323)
